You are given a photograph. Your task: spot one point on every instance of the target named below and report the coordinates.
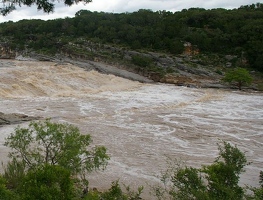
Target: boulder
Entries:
(15, 118)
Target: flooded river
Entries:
(140, 124)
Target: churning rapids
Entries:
(140, 124)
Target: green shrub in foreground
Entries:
(212, 182)
(48, 182)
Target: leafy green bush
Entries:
(141, 61)
(14, 172)
(44, 143)
(47, 182)
(219, 72)
(5, 193)
(116, 192)
(223, 174)
(216, 181)
(170, 70)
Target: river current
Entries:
(141, 125)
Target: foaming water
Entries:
(140, 124)
(34, 79)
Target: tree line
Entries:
(237, 31)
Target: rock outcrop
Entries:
(6, 52)
(15, 118)
(188, 69)
(185, 69)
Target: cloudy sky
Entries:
(118, 6)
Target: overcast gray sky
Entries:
(118, 6)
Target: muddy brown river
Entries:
(140, 124)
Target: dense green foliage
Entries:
(5, 193)
(116, 192)
(49, 143)
(211, 182)
(239, 77)
(47, 183)
(237, 32)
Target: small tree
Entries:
(216, 181)
(239, 77)
(223, 174)
(49, 143)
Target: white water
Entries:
(140, 124)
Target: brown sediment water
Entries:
(140, 124)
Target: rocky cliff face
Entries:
(6, 51)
